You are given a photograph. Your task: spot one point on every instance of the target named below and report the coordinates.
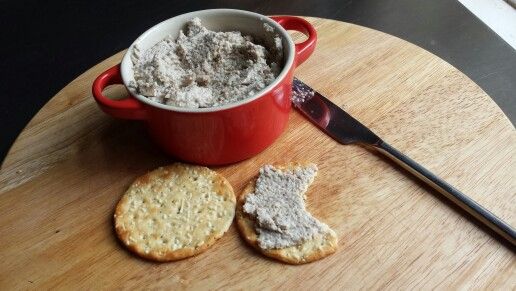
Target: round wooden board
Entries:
(68, 168)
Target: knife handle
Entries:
(463, 201)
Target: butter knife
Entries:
(345, 129)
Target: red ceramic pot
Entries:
(218, 135)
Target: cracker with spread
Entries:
(272, 215)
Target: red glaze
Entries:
(217, 137)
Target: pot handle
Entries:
(306, 48)
(125, 108)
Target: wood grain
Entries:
(68, 168)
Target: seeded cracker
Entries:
(272, 217)
(174, 212)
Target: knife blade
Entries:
(345, 129)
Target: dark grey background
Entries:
(46, 44)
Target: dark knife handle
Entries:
(459, 198)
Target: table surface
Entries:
(48, 44)
(66, 172)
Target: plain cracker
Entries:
(174, 212)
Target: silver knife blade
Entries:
(345, 129)
(329, 117)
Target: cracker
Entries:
(306, 252)
(174, 212)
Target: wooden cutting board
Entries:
(68, 168)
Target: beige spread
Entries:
(278, 207)
(203, 68)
